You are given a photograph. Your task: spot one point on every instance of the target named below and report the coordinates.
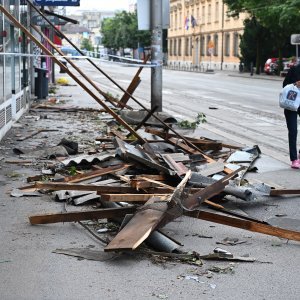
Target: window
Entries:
(203, 15)
(216, 43)
(180, 20)
(179, 47)
(202, 45)
(187, 47)
(217, 12)
(171, 47)
(175, 47)
(208, 39)
(209, 14)
(227, 44)
(191, 46)
(236, 44)
(175, 21)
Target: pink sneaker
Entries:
(295, 164)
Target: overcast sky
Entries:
(102, 5)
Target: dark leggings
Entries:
(291, 122)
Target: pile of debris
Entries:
(145, 177)
(138, 188)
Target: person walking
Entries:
(293, 76)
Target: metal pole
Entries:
(222, 37)
(156, 54)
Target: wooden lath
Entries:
(73, 76)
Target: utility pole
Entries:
(156, 54)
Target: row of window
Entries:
(202, 15)
(13, 68)
(208, 45)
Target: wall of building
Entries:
(202, 35)
(14, 78)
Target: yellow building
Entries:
(201, 34)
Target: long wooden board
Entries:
(132, 197)
(244, 224)
(81, 215)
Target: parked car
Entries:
(271, 65)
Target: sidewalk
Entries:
(29, 269)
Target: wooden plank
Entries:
(130, 90)
(71, 74)
(96, 173)
(81, 215)
(145, 221)
(158, 183)
(279, 192)
(58, 186)
(132, 197)
(139, 227)
(196, 199)
(244, 224)
(133, 85)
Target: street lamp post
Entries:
(156, 54)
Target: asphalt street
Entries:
(241, 108)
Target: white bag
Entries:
(289, 97)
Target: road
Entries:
(241, 109)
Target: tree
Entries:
(279, 17)
(122, 32)
(86, 44)
(256, 44)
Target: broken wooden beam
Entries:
(133, 85)
(217, 187)
(132, 197)
(81, 215)
(281, 192)
(244, 224)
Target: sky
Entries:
(102, 5)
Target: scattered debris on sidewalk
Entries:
(140, 187)
(138, 178)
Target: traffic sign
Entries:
(295, 39)
(57, 2)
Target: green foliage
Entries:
(122, 32)
(186, 124)
(72, 170)
(276, 20)
(86, 44)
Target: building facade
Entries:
(91, 20)
(202, 35)
(14, 66)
